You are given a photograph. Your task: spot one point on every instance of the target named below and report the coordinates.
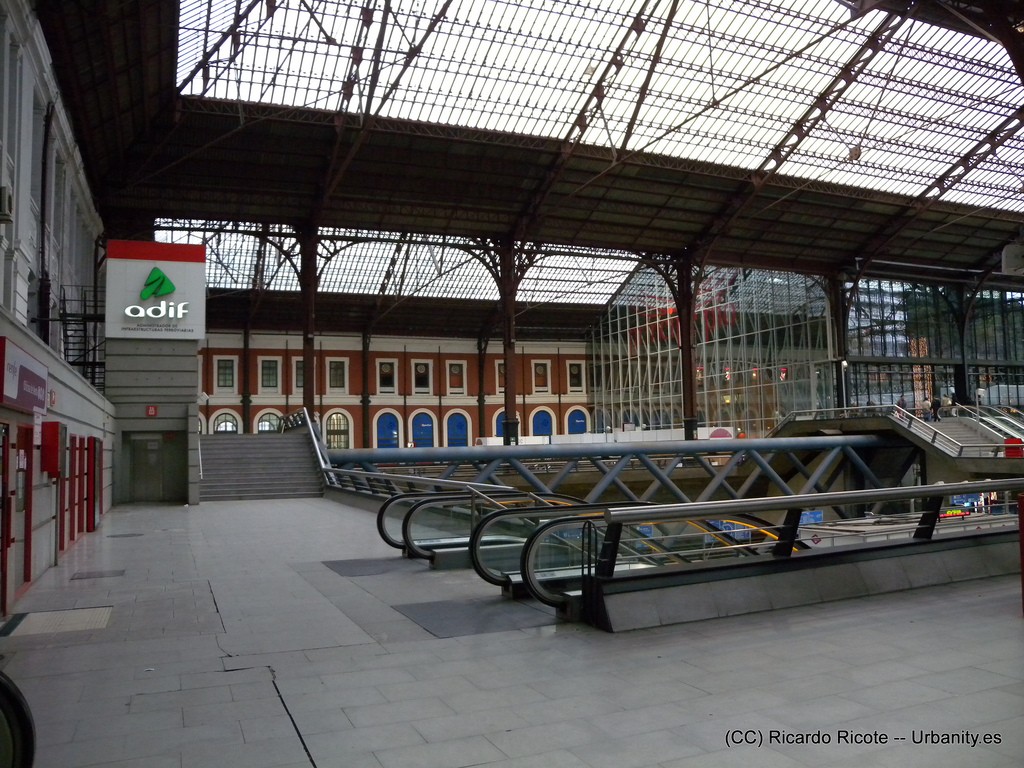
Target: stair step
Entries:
(259, 466)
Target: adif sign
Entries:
(155, 290)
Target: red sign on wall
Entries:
(150, 411)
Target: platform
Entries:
(286, 634)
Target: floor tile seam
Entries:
(46, 753)
(589, 730)
(441, 735)
(385, 712)
(149, 722)
(91, 643)
(971, 671)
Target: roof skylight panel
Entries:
(995, 181)
(986, 197)
(357, 269)
(710, 148)
(568, 286)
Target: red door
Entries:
(5, 514)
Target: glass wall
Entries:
(762, 348)
(905, 340)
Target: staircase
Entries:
(81, 317)
(266, 465)
(965, 431)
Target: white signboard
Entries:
(155, 290)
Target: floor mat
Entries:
(457, 618)
(374, 566)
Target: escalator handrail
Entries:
(526, 573)
(408, 496)
(476, 538)
(468, 495)
(412, 547)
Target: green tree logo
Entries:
(157, 284)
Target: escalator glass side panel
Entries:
(553, 561)
(496, 541)
(434, 523)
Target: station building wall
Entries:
(402, 392)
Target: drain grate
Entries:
(97, 574)
(45, 622)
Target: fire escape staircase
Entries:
(81, 318)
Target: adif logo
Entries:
(157, 284)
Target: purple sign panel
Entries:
(24, 378)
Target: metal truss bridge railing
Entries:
(679, 471)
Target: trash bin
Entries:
(1014, 448)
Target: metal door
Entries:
(423, 430)
(387, 431)
(458, 430)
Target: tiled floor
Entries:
(232, 642)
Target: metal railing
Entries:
(300, 420)
(1002, 422)
(638, 471)
(652, 541)
(926, 430)
(381, 483)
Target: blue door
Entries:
(541, 423)
(387, 431)
(577, 421)
(500, 422)
(423, 430)
(458, 430)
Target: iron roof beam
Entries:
(202, 65)
(878, 244)
(529, 216)
(812, 117)
(338, 168)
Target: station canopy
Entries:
(421, 137)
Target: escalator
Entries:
(424, 524)
(560, 552)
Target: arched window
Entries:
(337, 431)
(225, 422)
(269, 422)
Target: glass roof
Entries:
(756, 291)
(718, 82)
(385, 264)
(723, 83)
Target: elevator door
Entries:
(147, 471)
